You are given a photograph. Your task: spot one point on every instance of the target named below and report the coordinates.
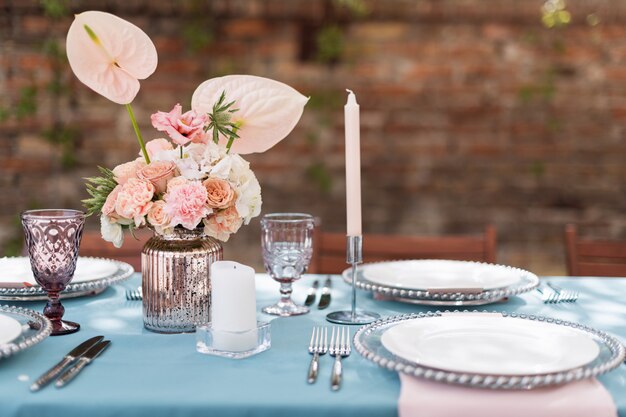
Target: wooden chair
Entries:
(92, 245)
(329, 252)
(594, 257)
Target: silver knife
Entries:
(325, 298)
(67, 359)
(83, 361)
(310, 297)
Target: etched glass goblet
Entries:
(287, 241)
(52, 238)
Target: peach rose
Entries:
(127, 170)
(154, 146)
(158, 173)
(223, 224)
(220, 193)
(134, 200)
(158, 218)
(108, 209)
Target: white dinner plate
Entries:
(488, 343)
(10, 329)
(441, 275)
(87, 269)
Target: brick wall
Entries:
(472, 112)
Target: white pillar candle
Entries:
(233, 306)
(353, 166)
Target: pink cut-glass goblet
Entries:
(52, 238)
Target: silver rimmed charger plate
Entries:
(119, 272)
(35, 328)
(367, 342)
(527, 282)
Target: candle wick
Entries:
(349, 91)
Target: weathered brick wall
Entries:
(472, 112)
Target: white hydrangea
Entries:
(111, 231)
(249, 200)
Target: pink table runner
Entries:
(422, 398)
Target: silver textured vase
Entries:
(176, 281)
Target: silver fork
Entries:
(134, 295)
(318, 346)
(565, 296)
(339, 347)
(550, 297)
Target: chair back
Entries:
(329, 252)
(594, 257)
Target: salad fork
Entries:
(549, 297)
(318, 346)
(566, 296)
(134, 295)
(339, 347)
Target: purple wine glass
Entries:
(52, 238)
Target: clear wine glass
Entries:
(287, 240)
(52, 238)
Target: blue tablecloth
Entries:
(148, 374)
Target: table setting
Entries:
(193, 333)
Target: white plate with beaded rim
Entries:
(487, 343)
(92, 276)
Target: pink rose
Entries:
(223, 224)
(127, 170)
(186, 204)
(134, 200)
(155, 146)
(158, 219)
(181, 128)
(158, 173)
(108, 209)
(220, 193)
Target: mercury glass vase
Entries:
(176, 280)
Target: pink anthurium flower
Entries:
(267, 110)
(110, 55)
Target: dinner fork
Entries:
(318, 346)
(566, 296)
(550, 297)
(339, 347)
(134, 295)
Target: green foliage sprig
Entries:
(99, 189)
(220, 121)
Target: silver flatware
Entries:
(67, 359)
(565, 296)
(312, 293)
(134, 295)
(317, 347)
(83, 361)
(548, 296)
(325, 298)
(339, 348)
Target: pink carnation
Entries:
(108, 209)
(186, 204)
(181, 128)
(134, 200)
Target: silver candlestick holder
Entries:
(354, 256)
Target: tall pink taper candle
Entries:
(353, 166)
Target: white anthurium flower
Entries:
(110, 55)
(268, 110)
(111, 231)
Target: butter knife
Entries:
(310, 297)
(325, 298)
(67, 359)
(83, 361)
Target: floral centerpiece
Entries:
(195, 176)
